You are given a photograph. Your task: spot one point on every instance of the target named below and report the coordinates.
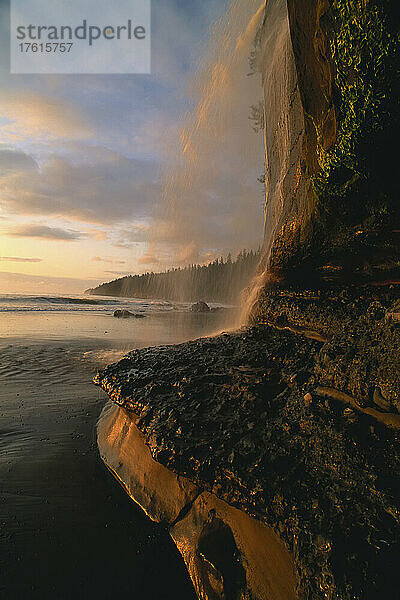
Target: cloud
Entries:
(33, 115)
(189, 254)
(45, 232)
(34, 284)
(136, 234)
(98, 186)
(108, 260)
(15, 160)
(19, 259)
(92, 153)
(98, 235)
(150, 257)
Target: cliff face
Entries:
(290, 137)
(331, 129)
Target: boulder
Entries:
(200, 307)
(218, 309)
(127, 314)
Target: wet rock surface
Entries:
(200, 307)
(244, 415)
(228, 554)
(127, 314)
(361, 353)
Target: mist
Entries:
(211, 200)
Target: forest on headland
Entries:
(222, 280)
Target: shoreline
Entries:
(62, 514)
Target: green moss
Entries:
(358, 174)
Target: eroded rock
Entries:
(228, 413)
(127, 314)
(160, 493)
(227, 553)
(230, 555)
(200, 307)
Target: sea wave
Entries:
(20, 303)
(53, 300)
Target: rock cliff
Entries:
(295, 422)
(331, 82)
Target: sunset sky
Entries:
(82, 159)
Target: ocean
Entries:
(67, 529)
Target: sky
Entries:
(102, 176)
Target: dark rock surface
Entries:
(127, 314)
(200, 307)
(245, 415)
(362, 338)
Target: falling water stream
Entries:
(212, 198)
(287, 186)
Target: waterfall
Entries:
(288, 187)
(210, 195)
(212, 201)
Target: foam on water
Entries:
(28, 303)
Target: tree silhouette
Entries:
(219, 281)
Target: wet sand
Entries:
(67, 529)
